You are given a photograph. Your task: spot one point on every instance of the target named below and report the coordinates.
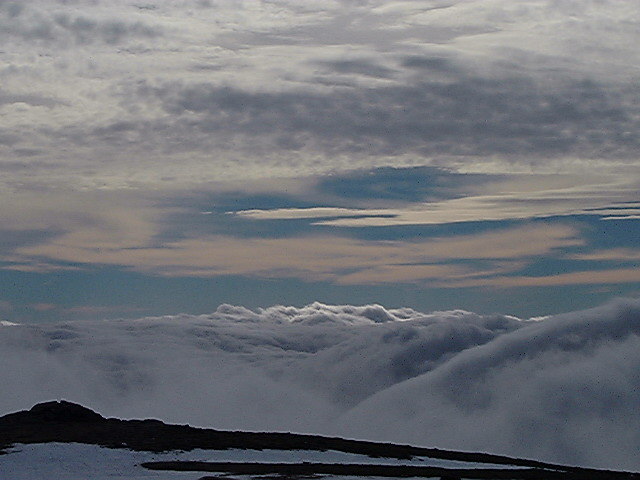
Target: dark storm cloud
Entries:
(469, 116)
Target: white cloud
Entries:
(310, 212)
(285, 367)
(623, 217)
(510, 199)
(584, 277)
(619, 254)
(561, 388)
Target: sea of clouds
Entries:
(564, 388)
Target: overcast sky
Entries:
(168, 156)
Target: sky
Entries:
(170, 156)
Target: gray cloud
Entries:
(12, 239)
(34, 100)
(564, 388)
(41, 24)
(421, 62)
(113, 31)
(469, 117)
(291, 89)
(298, 367)
(8, 138)
(359, 67)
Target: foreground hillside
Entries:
(53, 436)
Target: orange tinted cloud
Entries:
(345, 260)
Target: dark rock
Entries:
(63, 411)
(52, 412)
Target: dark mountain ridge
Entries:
(62, 421)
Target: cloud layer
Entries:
(118, 95)
(563, 389)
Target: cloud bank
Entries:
(564, 388)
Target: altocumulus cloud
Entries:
(262, 89)
(564, 388)
(63, 26)
(467, 117)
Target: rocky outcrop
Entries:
(52, 412)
